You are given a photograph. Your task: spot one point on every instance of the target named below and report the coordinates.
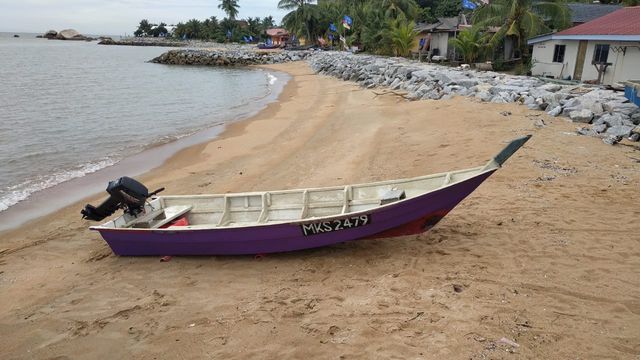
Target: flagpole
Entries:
(344, 36)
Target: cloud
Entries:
(116, 17)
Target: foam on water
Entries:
(272, 79)
(16, 193)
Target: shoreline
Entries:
(44, 202)
(538, 255)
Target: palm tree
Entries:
(470, 43)
(230, 7)
(395, 8)
(403, 36)
(268, 22)
(522, 19)
(300, 17)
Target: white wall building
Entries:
(610, 43)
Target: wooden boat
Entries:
(278, 221)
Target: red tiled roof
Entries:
(625, 21)
(277, 32)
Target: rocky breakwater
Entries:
(240, 56)
(140, 41)
(610, 114)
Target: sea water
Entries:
(68, 109)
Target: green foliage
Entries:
(470, 43)
(230, 7)
(144, 28)
(213, 30)
(403, 36)
(303, 18)
(448, 8)
(379, 26)
(522, 19)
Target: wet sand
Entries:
(543, 254)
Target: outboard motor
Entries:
(125, 193)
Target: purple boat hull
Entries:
(409, 216)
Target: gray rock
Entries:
(555, 111)
(635, 118)
(585, 131)
(442, 78)
(619, 130)
(615, 119)
(636, 130)
(635, 137)
(468, 83)
(600, 128)
(551, 87)
(611, 140)
(623, 108)
(484, 96)
(583, 116)
(498, 100)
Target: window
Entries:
(600, 54)
(558, 53)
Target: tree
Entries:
(448, 8)
(301, 16)
(159, 30)
(268, 23)
(144, 29)
(470, 43)
(403, 36)
(396, 8)
(522, 19)
(230, 7)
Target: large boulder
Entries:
(70, 34)
(582, 116)
(555, 111)
(619, 130)
(615, 119)
(51, 34)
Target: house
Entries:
(582, 12)
(435, 36)
(278, 36)
(605, 50)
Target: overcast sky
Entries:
(116, 17)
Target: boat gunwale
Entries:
(481, 170)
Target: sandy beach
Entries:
(544, 254)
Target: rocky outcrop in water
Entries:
(240, 56)
(68, 34)
(611, 115)
(71, 34)
(51, 34)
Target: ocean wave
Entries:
(16, 193)
(272, 79)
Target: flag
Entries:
(332, 27)
(468, 4)
(343, 39)
(347, 22)
(229, 34)
(331, 37)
